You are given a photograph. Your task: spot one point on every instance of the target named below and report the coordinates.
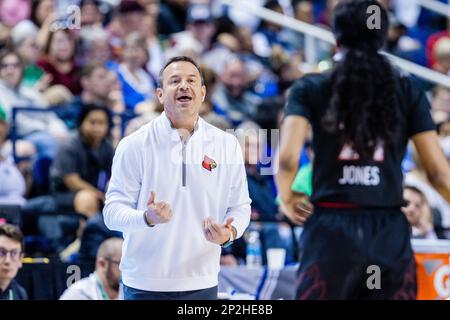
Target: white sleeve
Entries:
(239, 200)
(120, 211)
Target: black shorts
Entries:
(343, 250)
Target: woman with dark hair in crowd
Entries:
(59, 60)
(82, 165)
(362, 114)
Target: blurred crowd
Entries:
(89, 70)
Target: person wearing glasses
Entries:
(11, 254)
(104, 282)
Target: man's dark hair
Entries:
(177, 59)
(12, 232)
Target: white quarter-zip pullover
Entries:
(203, 177)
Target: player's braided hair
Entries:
(362, 107)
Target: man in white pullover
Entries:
(178, 192)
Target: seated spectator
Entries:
(41, 129)
(418, 213)
(98, 87)
(12, 188)
(59, 60)
(441, 53)
(104, 282)
(24, 38)
(431, 43)
(94, 233)
(43, 14)
(95, 47)
(231, 97)
(199, 26)
(261, 192)
(90, 13)
(126, 20)
(440, 102)
(154, 44)
(137, 84)
(82, 166)
(418, 178)
(11, 254)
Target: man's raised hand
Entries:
(157, 212)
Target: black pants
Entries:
(343, 250)
(202, 294)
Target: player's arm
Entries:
(293, 133)
(434, 161)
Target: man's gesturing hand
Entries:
(157, 212)
(217, 233)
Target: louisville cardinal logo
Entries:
(209, 163)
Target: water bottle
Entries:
(254, 251)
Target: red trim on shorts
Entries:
(337, 205)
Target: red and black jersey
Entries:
(339, 175)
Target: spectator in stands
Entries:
(441, 99)
(418, 178)
(12, 188)
(418, 213)
(104, 283)
(261, 190)
(137, 84)
(90, 13)
(441, 54)
(94, 233)
(231, 97)
(172, 16)
(95, 47)
(127, 20)
(82, 166)
(304, 11)
(24, 38)
(98, 87)
(59, 60)
(155, 46)
(43, 15)
(11, 254)
(431, 43)
(41, 129)
(440, 103)
(260, 186)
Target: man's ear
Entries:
(159, 94)
(102, 262)
(203, 93)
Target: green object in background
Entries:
(31, 75)
(302, 182)
(2, 114)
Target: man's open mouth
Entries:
(184, 98)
